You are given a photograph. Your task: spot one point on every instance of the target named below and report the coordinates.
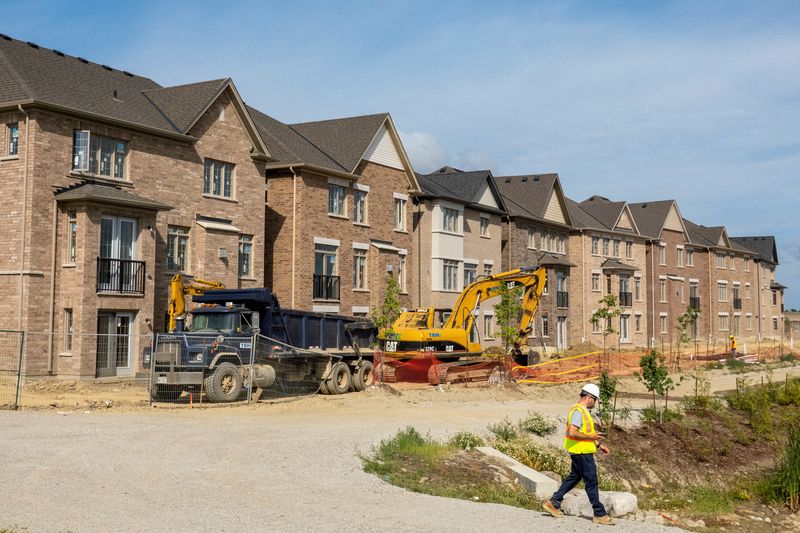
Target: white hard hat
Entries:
(591, 388)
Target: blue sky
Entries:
(637, 101)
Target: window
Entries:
(72, 237)
(616, 248)
(735, 324)
(531, 238)
(359, 269)
(401, 274)
(95, 154)
(662, 321)
(177, 243)
(662, 254)
(723, 322)
(722, 292)
(488, 326)
(484, 226)
(595, 244)
(748, 322)
(596, 282)
(546, 242)
(747, 264)
(399, 214)
(449, 275)
(13, 139)
(359, 207)
(774, 297)
(624, 328)
(608, 283)
(217, 178)
(596, 328)
(679, 252)
(336, 199)
(545, 326)
(470, 273)
(629, 249)
(689, 258)
(775, 323)
(562, 244)
(68, 330)
(747, 291)
(637, 323)
(605, 246)
(546, 285)
(733, 263)
(662, 290)
(326, 278)
(637, 289)
(245, 256)
(720, 260)
(449, 220)
(487, 269)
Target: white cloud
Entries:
(424, 150)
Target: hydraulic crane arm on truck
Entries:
(412, 336)
(179, 289)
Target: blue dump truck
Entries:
(241, 338)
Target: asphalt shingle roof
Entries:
(183, 104)
(651, 216)
(580, 218)
(343, 139)
(603, 209)
(526, 196)
(108, 194)
(764, 247)
(454, 184)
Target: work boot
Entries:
(603, 520)
(552, 509)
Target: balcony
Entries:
(737, 304)
(694, 302)
(326, 287)
(120, 275)
(562, 299)
(625, 299)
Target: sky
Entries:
(635, 101)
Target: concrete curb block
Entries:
(539, 484)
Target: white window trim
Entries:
(359, 309)
(357, 245)
(400, 196)
(339, 181)
(327, 242)
(360, 187)
(488, 262)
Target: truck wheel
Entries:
(323, 387)
(224, 384)
(340, 379)
(164, 393)
(363, 376)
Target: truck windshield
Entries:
(213, 322)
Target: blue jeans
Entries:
(583, 467)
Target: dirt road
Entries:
(279, 467)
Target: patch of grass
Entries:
(707, 500)
(465, 440)
(788, 358)
(660, 414)
(504, 430)
(784, 485)
(735, 365)
(537, 424)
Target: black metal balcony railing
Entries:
(562, 299)
(737, 304)
(625, 299)
(120, 275)
(694, 302)
(326, 287)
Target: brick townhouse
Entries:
(338, 215)
(536, 233)
(459, 223)
(609, 253)
(111, 185)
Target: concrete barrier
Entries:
(536, 482)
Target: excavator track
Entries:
(462, 372)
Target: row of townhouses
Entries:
(112, 184)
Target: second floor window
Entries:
(596, 282)
(13, 139)
(484, 226)
(679, 251)
(637, 289)
(662, 254)
(245, 256)
(98, 155)
(689, 258)
(470, 273)
(629, 249)
(722, 290)
(359, 269)
(72, 237)
(720, 260)
(616, 248)
(399, 214)
(449, 220)
(662, 290)
(336, 198)
(531, 238)
(605, 246)
(177, 244)
(218, 178)
(595, 245)
(359, 207)
(450, 275)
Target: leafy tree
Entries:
(685, 320)
(384, 316)
(608, 389)
(655, 376)
(605, 314)
(507, 312)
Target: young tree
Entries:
(608, 390)
(507, 312)
(685, 320)
(606, 314)
(655, 376)
(384, 316)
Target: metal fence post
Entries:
(19, 370)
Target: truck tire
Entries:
(323, 387)
(363, 376)
(224, 384)
(164, 393)
(340, 379)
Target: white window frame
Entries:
(629, 249)
(449, 219)
(721, 260)
(488, 326)
(679, 256)
(531, 238)
(401, 273)
(69, 329)
(595, 245)
(450, 275)
(722, 292)
(246, 256)
(484, 226)
(724, 321)
(360, 269)
(662, 290)
(615, 248)
(72, 237)
(663, 321)
(662, 254)
(470, 267)
(400, 212)
(176, 235)
(606, 244)
(217, 179)
(337, 200)
(12, 139)
(689, 257)
(360, 207)
(595, 282)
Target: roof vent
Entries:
(508, 180)
(58, 53)
(107, 68)
(33, 45)
(127, 73)
(644, 205)
(115, 95)
(82, 60)
(524, 178)
(536, 178)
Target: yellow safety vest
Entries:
(580, 446)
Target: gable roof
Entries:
(31, 74)
(608, 213)
(529, 195)
(344, 139)
(651, 217)
(581, 219)
(463, 187)
(764, 247)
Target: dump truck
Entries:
(216, 352)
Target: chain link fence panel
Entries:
(11, 357)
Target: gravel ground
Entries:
(278, 467)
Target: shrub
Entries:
(504, 430)
(410, 443)
(735, 365)
(537, 423)
(465, 440)
(788, 358)
(784, 485)
(660, 414)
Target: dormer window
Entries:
(98, 155)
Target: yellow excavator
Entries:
(179, 288)
(413, 335)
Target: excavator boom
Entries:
(180, 288)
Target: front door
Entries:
(114, 344)
(624, 328)
(117, 249)
(561, 333)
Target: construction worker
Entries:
(581, 443)
(733, 345)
